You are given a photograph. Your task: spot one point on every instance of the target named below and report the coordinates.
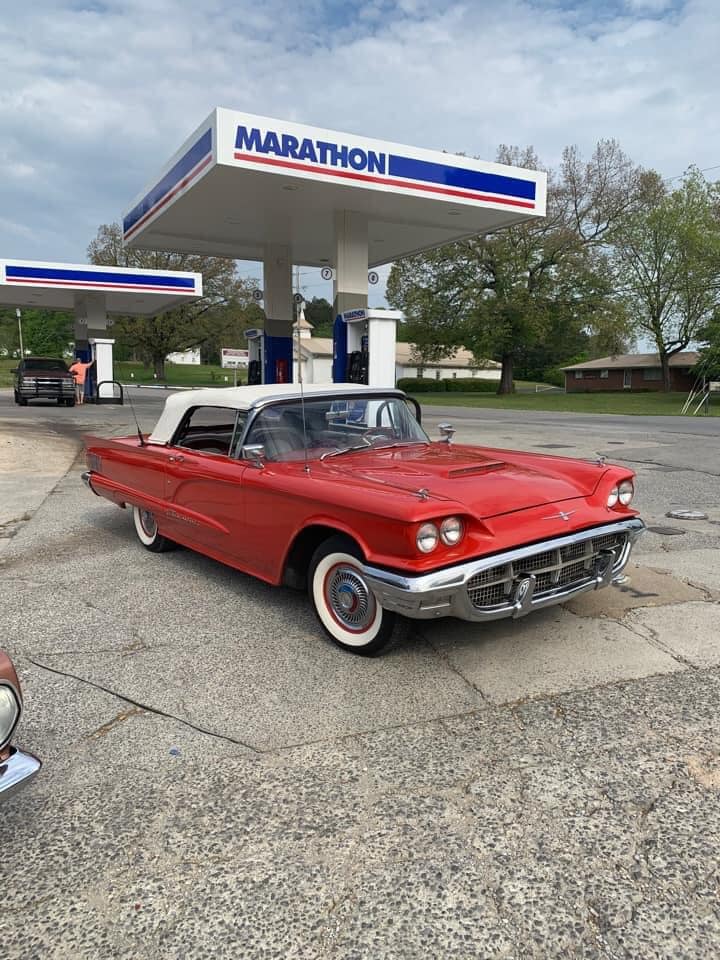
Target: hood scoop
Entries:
(475, 469)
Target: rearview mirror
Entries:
(254, 453)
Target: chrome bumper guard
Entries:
(86, 479)
(527, 578)
(16, 771)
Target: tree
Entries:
(46, 333)
(187, 326)
(319, 312)
(501, 294)
(709, 336)
(667, 260)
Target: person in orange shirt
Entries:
(78, 370)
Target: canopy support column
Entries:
(350, 286)
(277, 293)
(91, 322)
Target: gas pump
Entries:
(269, 358)
(364, 347)
(255, 340)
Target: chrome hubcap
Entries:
(147, 521)
(347, 595)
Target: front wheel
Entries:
(146, 529)
(343, 602)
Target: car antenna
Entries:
(137, 424)
(301, 316)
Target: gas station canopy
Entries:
(243, 183)
(121, 290)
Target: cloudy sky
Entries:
(97, 94)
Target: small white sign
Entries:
(234, 358)
(327, 273)
(373, 278)
(257, 294)
(298, 298)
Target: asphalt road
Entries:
(220, 781)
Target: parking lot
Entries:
(220, 781)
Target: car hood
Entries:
(486, 482)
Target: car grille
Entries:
(47, 385)
(555, 570)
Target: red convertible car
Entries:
(339, 490)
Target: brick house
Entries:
(631, 371)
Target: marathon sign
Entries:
(324, 153)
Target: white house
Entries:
(191, 357)
(317, 356)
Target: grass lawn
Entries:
(646, 404)
(176, 375)
(179, 375)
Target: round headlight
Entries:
(9, 711)
(626, 491)
(613, 497)
(427, 537)
(451, 531)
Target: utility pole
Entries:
(18, 314)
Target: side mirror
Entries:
(14, 371)
(254, 453)
(447, 431)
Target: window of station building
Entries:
(652, 373)
(604, 374)
(578, 374)
(437, 374)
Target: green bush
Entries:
(459, 385)
(554, 376)
(471, 385)
(420, 385)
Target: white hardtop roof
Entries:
(127, 291)
(242, 398)
(241, 182)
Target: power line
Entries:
(681, 175)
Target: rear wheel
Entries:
(343, 602)
(70, 402)
(146, 529)
(22, 401)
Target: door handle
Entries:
(179, 459)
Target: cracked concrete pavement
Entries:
(219, 781)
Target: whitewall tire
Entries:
(146, 529)
(343, 602)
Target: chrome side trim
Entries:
(443, 593)
(16, 771)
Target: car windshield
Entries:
(42, 364)
(333, 426)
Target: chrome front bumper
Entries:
(16, 771)
(444, 593)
